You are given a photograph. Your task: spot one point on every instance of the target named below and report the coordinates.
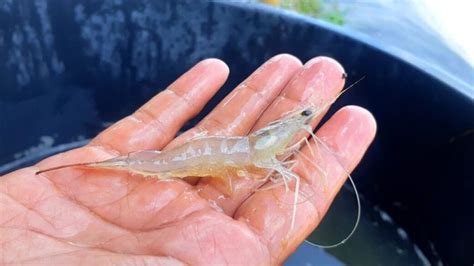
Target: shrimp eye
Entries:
(306, 113)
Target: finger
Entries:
(156, 123)
(317, 84)
(237, 113)
(348, 134)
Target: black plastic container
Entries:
(68, 68)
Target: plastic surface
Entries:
(69, 68)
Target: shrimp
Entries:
(213, 156)
(222, 157)
(218, 156)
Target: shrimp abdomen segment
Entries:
(201, 157)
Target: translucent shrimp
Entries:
(222, 157)
(214, 156)
(218, 156)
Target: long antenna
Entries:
(350, 86)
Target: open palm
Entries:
(99, 216)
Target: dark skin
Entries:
(100, 216)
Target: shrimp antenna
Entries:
(352, 85)
(341, 93)
(346, 89)
(359, 208)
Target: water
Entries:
(377, 241)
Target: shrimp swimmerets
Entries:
(222, 157)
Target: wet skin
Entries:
(99, 216)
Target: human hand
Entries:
(99, 216)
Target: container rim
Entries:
(460, 86)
